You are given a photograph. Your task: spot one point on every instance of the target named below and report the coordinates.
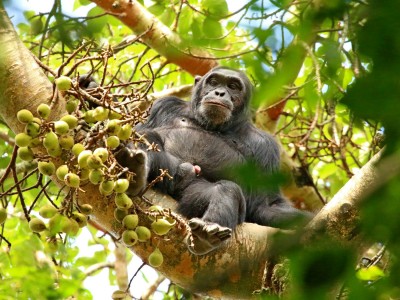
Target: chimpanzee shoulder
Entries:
(165, 110)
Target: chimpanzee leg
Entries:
(214, 210)
(275, 211)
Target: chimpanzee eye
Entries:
(234, 86)
(213, 82)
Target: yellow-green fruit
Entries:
(61, 172)
(100, 113)
(46, 167)
(107, 185)
(61, 127)
(72, 121)
(63, 83)
(130, 221)
(56, 223)
(71, 105)
(54, 152)
(155, 209)
(156, 258)
(88, 116)
(86, 209)
(94, 162)
(129, 237)
(77, 149)
(32, 129)
(81, 219)
(35, 142)
(70, 227)
(113, 127)
(84, 174)
(102, 153)
(66, 141)
(3, 215)
(25, 153)
(72, 180)
(161, 226)
(119, 214)
(144, 234)
(96, 176)
(114, 115)
(50, 140)
(123, 201)
(22, 139)
(24, 116)
(37, 225)
(112, 142)
(83, 158)
(43, 110)
(48, 211)
(125, 132)
(121, 185)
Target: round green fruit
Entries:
(94, 162)
(25, 153)
(46, 167)
(32, 129)
(86, 209)
(72, 121)
(113, 127)
(125, 132)
(71, 105)
(48, 211)
(61, 172)
(112, 142)
(102, 153)
(70, 227)
(84, 174)
(83, 158)
(77, 149)
(121, 185)
(96, 176)
(50, 140)
(100, 113)
(161, 226)
(37, 225)
(3, 215)
(114, 115)
(156, 258)
(130, 221)
(35, 142)
(123, 201)
(129, 237)
(88, 116)
(107, 186)
(54, 152)
(43, 110)
(61, 127)
(63, 83)
(72, 180)
(22, 139)
(24, 116)
(119, 214)
(66, 141)
(143, 233)
(81, 219)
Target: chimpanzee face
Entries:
(220, 96)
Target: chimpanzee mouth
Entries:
(216, 103)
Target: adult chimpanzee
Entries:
(198, 140)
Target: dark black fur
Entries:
(214, 137)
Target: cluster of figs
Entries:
(84, 163)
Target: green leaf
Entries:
(96, 24)
(371, 273)
(212, 28)
(156, 9)
(216, 8)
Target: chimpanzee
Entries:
(198, 140)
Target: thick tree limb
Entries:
(158, 36)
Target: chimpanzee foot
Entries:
(206, 236)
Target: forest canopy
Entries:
(325, 76)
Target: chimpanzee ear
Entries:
(197, 78)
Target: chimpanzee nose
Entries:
(219, 93)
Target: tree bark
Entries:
(237, 268)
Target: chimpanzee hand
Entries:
(136, 161)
